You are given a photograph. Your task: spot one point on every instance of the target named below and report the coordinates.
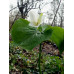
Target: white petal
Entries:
(40, 18)
(33, 15)
(43, 18)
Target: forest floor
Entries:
(49, 48)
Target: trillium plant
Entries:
(30, 33)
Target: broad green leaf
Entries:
(58, 37)
(27, 36)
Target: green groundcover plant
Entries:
(29, 34)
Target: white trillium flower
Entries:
(35, 18)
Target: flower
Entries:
(35, 18)
(28, 61)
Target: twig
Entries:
(12, 9)
(13, 21)
(56, 12)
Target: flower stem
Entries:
(40, 59)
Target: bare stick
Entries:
(13, 21)
(12, 9)
(56, 12)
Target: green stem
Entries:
(40, 59)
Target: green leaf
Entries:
(27, 36)
(58, 37)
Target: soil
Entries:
(49, 48)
